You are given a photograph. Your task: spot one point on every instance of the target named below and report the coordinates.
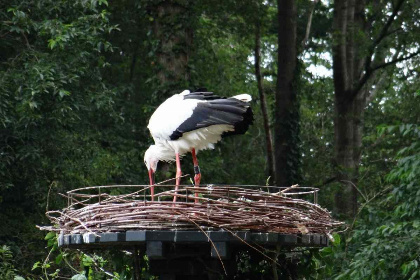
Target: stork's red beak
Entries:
(152, 183)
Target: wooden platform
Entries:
(190, 254)
(153, 240)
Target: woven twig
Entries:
(95, 210)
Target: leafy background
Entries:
(79, 80)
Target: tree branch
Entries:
(308, 25)
(264, 107)
(5, 34)
(382, 35)
(381, 78)
(368, 69)
(269, 73)
(326, 182)
(384, 31)
(26, 40)
(378, 86)
(396, 30)
(404, 58)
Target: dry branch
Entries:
(231, 208)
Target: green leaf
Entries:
(51, 43)
(36, 265)
(337, 239)
(59, 259)
(103, 2)
(86, 260)
(63, 92)
(50, 235)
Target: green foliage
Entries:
(384, 242)
(56, 114)
(7, 269)
(391, 245)
(79, 80)
(49, 91)
(77, 264)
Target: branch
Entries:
(384, 31)
(326, 182)
(378, 86)
(363, 206)
(308, 25)
(381, 79)
(396, 30)
(26, 40)
(269, 73)
(96, 264)
(404, 58)
(370, 71)
(4, 35)
(264, 108)
(354, 186)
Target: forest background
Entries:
(335, 88)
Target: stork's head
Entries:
(151, 160)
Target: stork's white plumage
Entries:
(193, 121)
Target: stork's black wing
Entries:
(216, 110)
(202, 94)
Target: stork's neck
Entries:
(164, 152)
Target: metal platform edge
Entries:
(141, 237)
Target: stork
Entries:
(190, 122)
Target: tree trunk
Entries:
(345, 198)
(263, 102)
(349, 106)
(286, 115)
(174, 33)
(356, 57)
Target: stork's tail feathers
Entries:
(211, 110)
(247, 116)
(243, 97)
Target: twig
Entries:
(97, 265)
(219, 207)
(48, 195)
(291, 187)
(211, 241)
(354, 186)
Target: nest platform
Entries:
(105, 209)
(190, 237)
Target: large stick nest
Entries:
(105, 209)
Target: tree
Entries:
(382, 244)
(262, 95)
(286, 125)
(173, 32)
(364, 37)
(55, 112)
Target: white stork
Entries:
(190, 122)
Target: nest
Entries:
(210, 207)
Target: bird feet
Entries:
(197, 179)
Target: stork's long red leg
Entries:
(178, 174)
(152, 184)
(197, 177)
